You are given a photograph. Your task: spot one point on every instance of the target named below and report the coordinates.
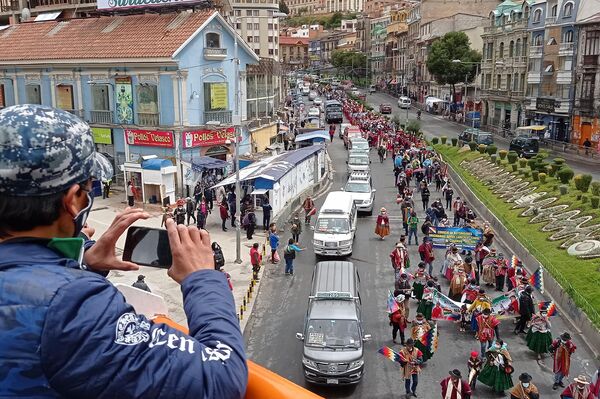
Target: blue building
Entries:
(149, 85)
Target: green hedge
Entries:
(522, 162)
(596, 188)
(473, 145)
(542, 177)
(565, 174)
(454, 141)
(595, 201)
(435, 140)
(564, 189)
(481, 148)
(535, 175)
(512, 156)
(582, 182)
(491, 149)
(444, 139)
(503, 154)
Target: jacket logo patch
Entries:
(131, 330)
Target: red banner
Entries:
(149, 138)
(203, 138)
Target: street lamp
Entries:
(477, 65)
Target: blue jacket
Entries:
(68, 332)
(273, 240)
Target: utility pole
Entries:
(238, 133)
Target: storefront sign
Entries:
(102, 135)
(545, 104)
(218, 96)
(203, 138)
(124, 4)
(149, 138)
(124, 100)
(463, 237)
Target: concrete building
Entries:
(348, 25)
(305, 7)
(377, 56)
(343, 6)
(142, 95)
(395, 40)
(329, 42)
(257, 24)
(363, 33)
(504, 65)
(294, 52)
(586, 109)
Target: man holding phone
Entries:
(67, 331)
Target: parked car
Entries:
(305, 90)
(317, 101)
(355, 92)
(314, 111)
(476, 135)
(404, 102)
(372, 89)
(525, 146)
(385, 108)
(312, 95)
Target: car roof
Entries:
(360, 176)
(333, 309)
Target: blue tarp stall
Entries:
(156, 164)
(201, 163)
(310, 138)
(158, 181)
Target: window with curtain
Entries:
(216, 96)
(32, 94)
(147, 99)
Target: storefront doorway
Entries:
(218, 152)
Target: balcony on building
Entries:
(76, 112)
(564, 77)
(585, 104)
(566, 49)
(534, 77)
(590, 61)
(213, 50)
(531, 103)
(223, 117)
(563, 106)
(101, 117)
(148, 119)
(9, 6)
(551, 20)
(536, 51)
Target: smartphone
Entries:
(148, 246)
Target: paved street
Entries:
(282, 301)
(436, 126)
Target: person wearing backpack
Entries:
(289, 254)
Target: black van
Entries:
(525, 146)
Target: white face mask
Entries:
(525, 385)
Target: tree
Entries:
(452, 46)
(283, 7)
(349, 61)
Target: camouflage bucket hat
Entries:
(44, 151)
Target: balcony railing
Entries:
(148, 119)
(9, 5)
(215, 53)
(566, 48)
(224, 117)
(590, 60)
(55, 3)
(535, 51)
(104, 117)
(76, 112)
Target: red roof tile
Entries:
(115, 37)
(293, 41)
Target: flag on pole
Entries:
(548, 306)
(392, 355)
(514, 261)
(430, 339)
(392, 305)
(537, 279)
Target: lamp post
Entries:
(477, 65)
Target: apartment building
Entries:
(377, 56)
(343, 6)
(294, 52)
(504, 65)
(305, 7)
(257, 23)
(395, 40)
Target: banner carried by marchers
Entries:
(463, 237)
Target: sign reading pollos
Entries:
(203, 138)
(124, 4)
(149, 138)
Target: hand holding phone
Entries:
(191, 250)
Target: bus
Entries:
(333, 111)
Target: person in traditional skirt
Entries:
(420, 278)
(562, 348)
(426, 304)
(469, 266)
(457, 283)
(382, 228)
(398, 319)
(488, 235)
(398, 260)
(452, 258)
(479, 304)
(488, 274)
(497, 370)
(419, 328)
(470, 292)
(539, 337)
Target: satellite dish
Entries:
(25, 14)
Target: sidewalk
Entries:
(102, 215)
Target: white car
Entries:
(363, 193)
(355, 92)
(312, 95)
(314, 111)
(404, 102)
(305, 90)
(318, 101)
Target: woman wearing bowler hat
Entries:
(498, 368)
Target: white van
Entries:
(404, 102)
(335, 226)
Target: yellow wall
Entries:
(261, 137)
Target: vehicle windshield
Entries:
(334, 108)
(361, 145)
(483, 138)
(358, 161)
(332, 334)
(356, 187)
(332, 226)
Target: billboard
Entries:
(149, 138)
(463, 237)
(205, 137)
(125, 4)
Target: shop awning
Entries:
(201, 163)
(534, 127)
(246, 172)
(259, 191)
(318, 134)
(156, 164)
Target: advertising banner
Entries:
(124, 4)
(124, 100)
(149, 138)
(218, 96)
(102, 135)
(204, 138)
(463, 237)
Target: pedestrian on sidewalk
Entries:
(382, 227)
(167, 214)
(130, 193)
(453, 387)
(413, 359)
(203, 212)
(106, 188)
(224, 212)
(273, 242)
(255, 260)
(250, 222)
(179, 213)
(456, 207)
(289, 254)
(218, 255)
(426, 253)
(197, 192)
(267, 209)
(141, 284)
(231, 202)
(190, 207)
(209, 197)
(413, 225)
(398, 260)
(296, 227)
(562, 348)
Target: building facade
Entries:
(294, 52)
(504, 66)
(141, 95)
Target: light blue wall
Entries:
(9, 93)
(46, 89)
(166, 97)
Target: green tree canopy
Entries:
(352, 62)
(283, 7)
(443, 53)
